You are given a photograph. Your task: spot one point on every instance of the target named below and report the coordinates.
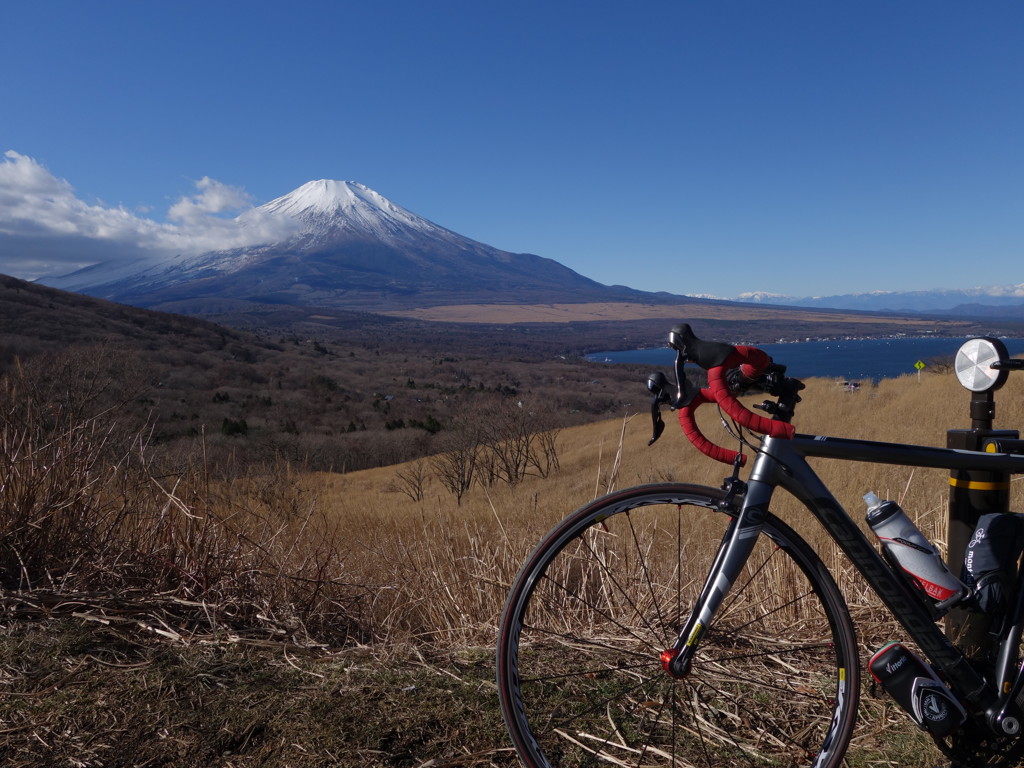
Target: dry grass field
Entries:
(623, 311)
(164, 615)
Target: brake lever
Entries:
(659, 423)
(662, 392)
(656, 385)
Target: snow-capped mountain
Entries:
(957, 301)
(341, 244)
(348, 246)
(326, 209)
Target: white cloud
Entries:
(213, 197)
(46, 229)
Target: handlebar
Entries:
(729, 368)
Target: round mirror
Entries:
(974, 364)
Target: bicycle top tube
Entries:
(732, 370)
(874, 452)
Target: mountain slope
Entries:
(334, 391)
(351, 247)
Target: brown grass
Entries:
(90, 526)
(448, 566)
(625, 311)
(85, 508)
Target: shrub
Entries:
(86, 508)
(234, 427)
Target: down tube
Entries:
(789, 470)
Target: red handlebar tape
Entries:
(752, 362)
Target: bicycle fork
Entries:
(747, 522)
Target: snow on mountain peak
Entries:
(764, 297)
(326, 205)
(324, 196)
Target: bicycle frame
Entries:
(782, 463)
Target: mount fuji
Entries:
(348, 247)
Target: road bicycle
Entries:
(679, 625)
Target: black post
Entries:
(972, 494)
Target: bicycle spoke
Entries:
(601, 612)
(625, 594)
(647, 573)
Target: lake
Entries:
(847, 359)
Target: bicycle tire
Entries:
(775, 680)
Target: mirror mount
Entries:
(982, 366)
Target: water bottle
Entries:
(909, 549)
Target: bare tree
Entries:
(544, 457)
(517, 440)
(500, 441)
(411, 480)
(456, 467)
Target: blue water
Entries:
(847, 359)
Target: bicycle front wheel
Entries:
(581, 682)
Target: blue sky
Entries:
(805, 148)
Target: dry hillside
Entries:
(280, 617)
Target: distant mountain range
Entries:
(350, 247)
(968, 302)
